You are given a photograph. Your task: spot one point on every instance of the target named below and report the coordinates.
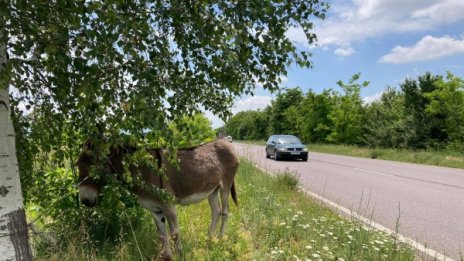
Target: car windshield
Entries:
(288, 140)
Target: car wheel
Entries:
(267, 155)
(276, 155)
(305, 158)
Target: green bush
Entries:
(288, 180)
(375, 154)
(53, 206)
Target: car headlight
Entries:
(305, 149)
(281, 149)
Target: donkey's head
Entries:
(91, 177)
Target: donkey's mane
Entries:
(129, 148)
(197, 146)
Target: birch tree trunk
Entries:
(14, 241)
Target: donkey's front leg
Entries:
(160, 222)
(171, 215)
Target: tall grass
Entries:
(273, 221)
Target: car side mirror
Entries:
(273, 142)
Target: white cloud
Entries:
(428, 48)
(447, 11)
(344, 51)
(364, 19)
(372, 98)
(250, 103)
(297, 35)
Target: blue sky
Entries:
(384, 40)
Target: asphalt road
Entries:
(425, 203)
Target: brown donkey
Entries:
(206, 171)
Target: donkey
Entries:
(206, 171)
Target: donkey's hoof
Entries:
(163, 256)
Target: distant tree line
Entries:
(427, 112)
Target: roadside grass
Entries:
(445, 158)
(274, 221)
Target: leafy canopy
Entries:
(134, 64)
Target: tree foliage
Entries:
(346, 115)
(446, 102)
(415, 103)
(278, 120)
(315, 116)
(248, 125)
(190, 131)
(122, 62)
(385, 124)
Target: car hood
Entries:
(288, 145)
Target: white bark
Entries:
(13, 228)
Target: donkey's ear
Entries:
(99, 132)
(88, 145)
(100, 129)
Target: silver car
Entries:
(286, 146)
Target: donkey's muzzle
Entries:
(88, 195)
(89, 203)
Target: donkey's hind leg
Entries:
(160, 221)
(225, 192)
(213, 200)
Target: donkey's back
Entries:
(201, 171)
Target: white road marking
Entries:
(375, 172)
(368, 223)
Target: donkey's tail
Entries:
(233, 193)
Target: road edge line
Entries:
(369, 223)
